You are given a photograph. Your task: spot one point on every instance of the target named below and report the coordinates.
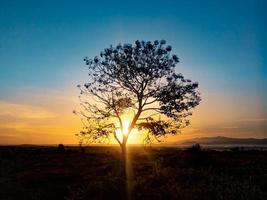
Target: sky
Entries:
(221, 44)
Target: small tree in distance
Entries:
(139, 79)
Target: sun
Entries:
(133, 137)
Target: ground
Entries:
(46, 173)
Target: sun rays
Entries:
(134, 137)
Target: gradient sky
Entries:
(221, 44)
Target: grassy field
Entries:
(154, 173)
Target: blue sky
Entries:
(221, 44)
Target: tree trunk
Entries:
(126, 173)
(123, 160)
(124, 168)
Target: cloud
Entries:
(21, 111)
(230, 127)
(23, 123)
(241, 129)
(21, 136)
(37, 116)
(252, 120)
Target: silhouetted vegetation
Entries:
(28, 172)
(139, 78)
(195, 148)
(61, 148)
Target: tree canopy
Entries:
(140, 79)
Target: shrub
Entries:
(61, 148)
(195, 148)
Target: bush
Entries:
(61, 148)
(195, 148)
(235, 149)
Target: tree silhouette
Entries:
(140, 79)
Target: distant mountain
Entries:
(224, 141)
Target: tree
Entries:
(140, 79)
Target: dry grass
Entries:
(166, 173)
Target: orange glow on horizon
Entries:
(43, 121)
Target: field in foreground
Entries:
(154, 173)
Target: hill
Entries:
(220, 140)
